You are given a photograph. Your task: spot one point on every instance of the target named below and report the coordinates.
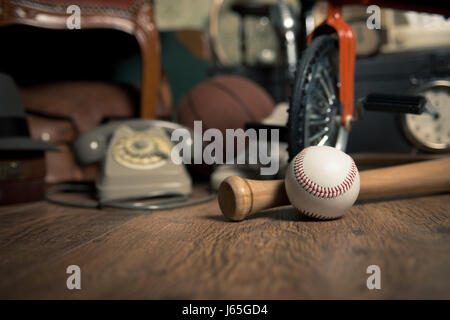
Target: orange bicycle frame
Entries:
(347, 45)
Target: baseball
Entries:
(322, 182)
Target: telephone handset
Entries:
(136, 164)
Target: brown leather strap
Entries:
(15, 169)
(51, 130)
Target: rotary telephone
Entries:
(136, 166)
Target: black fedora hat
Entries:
(14, 132)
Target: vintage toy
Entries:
(322, 108)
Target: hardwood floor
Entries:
(194, 253)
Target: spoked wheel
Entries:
(315, 109)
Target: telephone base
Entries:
(138, 165)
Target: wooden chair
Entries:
(132, 16)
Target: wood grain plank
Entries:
(35, 233)
(194, 253)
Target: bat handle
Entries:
(239, 198)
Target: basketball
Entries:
(224, 102)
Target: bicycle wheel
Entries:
(315, 108)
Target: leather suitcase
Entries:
(22, 177)
(59, 112)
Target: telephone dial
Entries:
(136, 165)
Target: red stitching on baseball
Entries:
(316, 190)
(314, 215)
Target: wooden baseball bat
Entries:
(239, 198)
